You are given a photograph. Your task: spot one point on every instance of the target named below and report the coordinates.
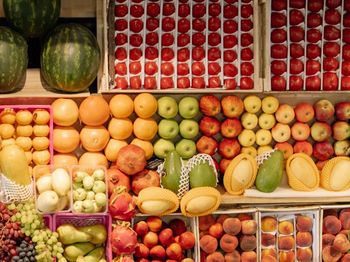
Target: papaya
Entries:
(335, 175)
(270, 172)
(202, 175)
(14, 165)
(172, 166)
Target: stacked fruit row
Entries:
(306, 41)
(207, 38)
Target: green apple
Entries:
(188, 107)
(162, 147)
(167, 107)
(186, 148)
(189, 128)
(168, 128)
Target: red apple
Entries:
(342, 110)
(296, 83)
(330, 81)
(321, 131)
(187, 240)
(231, 127)
(157, 252)
(296, 34)
(304, 112)
(232, 106)
(224, 164)
(207, 145)
(324, 110)
(313, 51)
(295, 17)
(286, 148)
(323, 150)
(312, 67)
(141, 251)
(209, 105)
(141, 228)
(313, 83)
(229, 148)
(303, 147)
(300, 131)
(296, 66)
(341, 130)
(209, 126)
(296, 50)
(314, 20)
(278, 83)
(279, 51)
(166, 237)
(150, 239)
(345, 83)
(331, 64)
(278, 67)
(174, 251)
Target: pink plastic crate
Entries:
(48, 220)
(79, 220)
(32, 108)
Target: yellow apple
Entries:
(285, 114)
(249, 120)
(281, 132)
(263, 137)
(250, 150)
(269, 104)
(263, 149)
(267, 121)
(252, 104)
(246, 137)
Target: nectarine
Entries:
(228, 243)
(232, 226)
(208, 244)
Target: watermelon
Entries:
(32, 18)
(70, 58)
(13, 59)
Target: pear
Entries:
(72, 252)
(68, 234)
(97, 232)
(94, 256)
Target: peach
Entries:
(174, 251)
(304, 223)
(269, 258)
(141, 228)
(327, 240)
(268, 224)
(150, 239)
(249, 256)
(228, 243)
(304, 239)
(166, 237)
(232, 226)
(330, 212)
(233, 257)
(286, 242)
(248, 242)
(216, 257)
(345, 219)
(341, 243)
(141, 251)
(220, 219)
(286, 256)
(285, 227)
(329, 254)
(178, 226)
(154, 223)
(331, 224)
(208, 244)
(216, 230)
(249, 227)
(244, 216)
(268, 239)
(269, 252)
(304, 254)
(187, 240)
(205, 222)
(345, 258)
(157, 252)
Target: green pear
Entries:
(72, 252)
(94, 256)
(98, 233)
(172, 166)
(68, 234)
(202, 175)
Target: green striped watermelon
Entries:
(32, 18)
(13, 59)
(70, 58)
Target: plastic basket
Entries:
(48, 220)
(79, 220)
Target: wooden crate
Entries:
(34, 85)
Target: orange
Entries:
(145, 145)
(145, 129)
(121, 106)
(120, 128)
(145, 105)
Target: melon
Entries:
(32, 18)
(13, 59)
(70, 58)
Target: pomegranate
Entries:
(123, 239)
(131, 159)
(121, 204)
(117, 178)
(143, 179)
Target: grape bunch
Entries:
(25, 252)
(47, 245)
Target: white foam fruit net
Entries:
(11, 192)
(264, 156)
(184, 179)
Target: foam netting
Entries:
(11, 192)
(264, 156)
(184, 179)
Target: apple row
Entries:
(147, 33)
(309, 42)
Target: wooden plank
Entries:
(72, 8)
